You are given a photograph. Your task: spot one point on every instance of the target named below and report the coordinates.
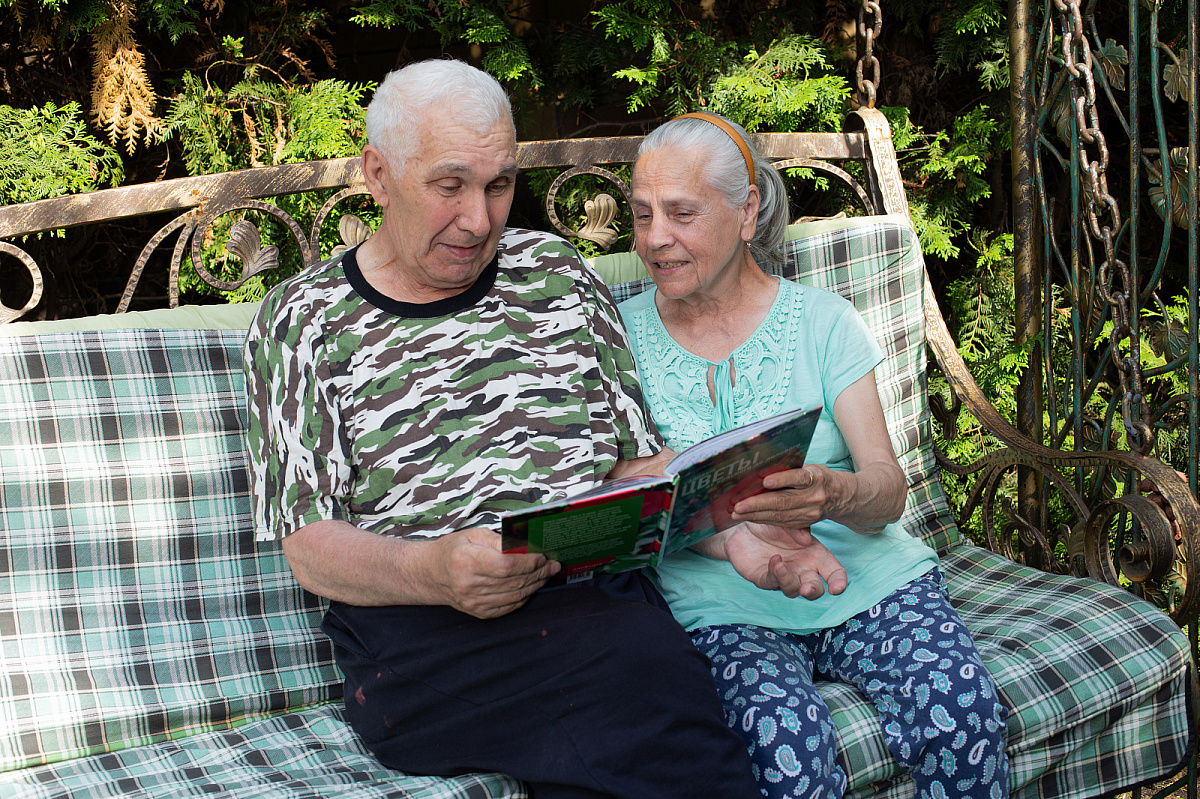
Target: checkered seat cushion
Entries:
(148, 645)
(1097, 681)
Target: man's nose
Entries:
(473, 214)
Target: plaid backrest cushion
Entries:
(135, 605)
(876, 263)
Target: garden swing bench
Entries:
(149, 645)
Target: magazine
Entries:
(634, 522)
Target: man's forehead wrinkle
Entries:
(459, 168)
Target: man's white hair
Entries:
(452, 89)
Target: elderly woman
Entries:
(719, 343)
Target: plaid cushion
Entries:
(1098, 684)
(877, 265)
(135, 605)
(308, 753)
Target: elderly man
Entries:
(402, 397)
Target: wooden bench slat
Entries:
(183, 193)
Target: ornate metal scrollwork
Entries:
(836, 171)
(247, 245)
(600, 211)
(353, 232)
(244, 242)
(35, 273)
(1156, 563)
(185, 221)
(351, 228)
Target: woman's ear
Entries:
(750, 222)
(376, 174)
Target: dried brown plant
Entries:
(252, 135)
(280, 133)
(122, 98)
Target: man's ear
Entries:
(377, 174)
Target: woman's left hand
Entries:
(796, 498)
(790, 561)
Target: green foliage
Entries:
(977, 38)
(790, 86)
(265, 120)
(1163, 344)
(47, 152)
(944, 173)
(175, 18)
(679, 58)
(980, 301)
(481, 22)
(983, 299)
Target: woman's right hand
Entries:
(783, 559)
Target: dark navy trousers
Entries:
(587, 691)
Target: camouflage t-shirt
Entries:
(421, 419)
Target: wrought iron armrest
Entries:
(1155, 565)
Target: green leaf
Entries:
(47, 152)
(1180, 193)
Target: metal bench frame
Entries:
(1011, 531)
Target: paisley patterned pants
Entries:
(910, 655)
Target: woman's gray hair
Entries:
(727, 174)
(456, 90)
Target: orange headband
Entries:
(733, 134)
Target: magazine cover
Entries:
(634, 522)
(709, 484)
(615, 527)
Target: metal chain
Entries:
(1115, 281)
(867, 86)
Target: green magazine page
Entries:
(615, 527)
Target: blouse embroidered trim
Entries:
(675, 381)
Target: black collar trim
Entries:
(420, 310)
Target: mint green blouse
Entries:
(811, 346)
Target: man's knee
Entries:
(633, 643)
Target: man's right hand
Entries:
(465, 569)
(479, 579)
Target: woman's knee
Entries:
(765, 682)
(958, 740)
